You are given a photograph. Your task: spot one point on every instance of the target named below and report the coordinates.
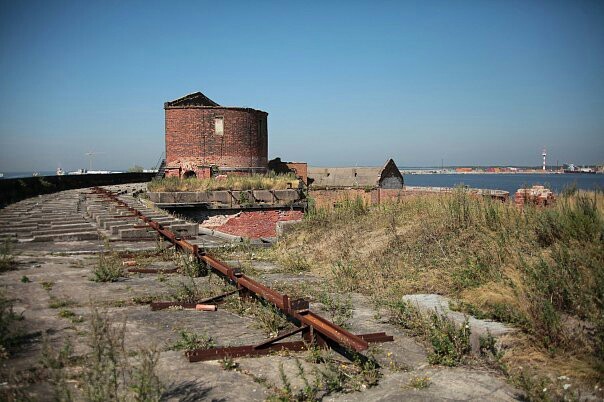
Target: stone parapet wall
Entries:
(13, 190)
(229, 198)
(329, 198)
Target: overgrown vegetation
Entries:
(7, 256)
(8, 331)
(541, 269)
(268, 317)
(190, 266)
(191, 341)
(108, 371)
(338, 306)
(420, 382)
(331, 376)
(449, 343)
(269, 181)
(108, 268)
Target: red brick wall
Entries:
(190, 132)
(300, 168)
(257, 224)
(327, 198)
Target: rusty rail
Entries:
(314, 327)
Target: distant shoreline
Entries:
(410, 171)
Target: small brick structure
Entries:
(537, 195)
(257, 224)
(299, 169)
(204, 139)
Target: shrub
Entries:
(420, 382)
(192, 341)
(186, 291)
(106, 361)
(346, 276)
(450, 342)
(7, 257)
(339, 307)
(295, 262)
(8, 318)
(458, 205)
(406, 315)
(107, 269)
(144, 381)
(269, 317)
(55, 361)
(107, 373)
(191, 266)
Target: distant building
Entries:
(205, 139)
(387, 177)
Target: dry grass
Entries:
(253, 182)
(539, 269)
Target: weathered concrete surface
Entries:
(452, 384)
(285, 226)
(68, 266)
(255, 378)
(433, 302)
(79, 216)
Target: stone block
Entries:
(137, 234)
(167, 198)
(186, 229)
(222, 197)
(264, 196)
(154, 196)
(203, 197)
(286, 196)
(285, 226)
(182, 197)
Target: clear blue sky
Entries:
(345, 83)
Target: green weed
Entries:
(268, 317)
(227, 363)
(7, 256)
(8, 331)
(192, 341)
(420, 382)
(108, 268)
(338, 306)
(190, 266)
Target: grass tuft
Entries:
(7, 256)
(539, 269)
(108, 268)
(254, 182)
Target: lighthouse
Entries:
(544, 154)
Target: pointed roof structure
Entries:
(194, 99)
(387, 176)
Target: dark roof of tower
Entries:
(194, 99)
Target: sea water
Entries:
(508, 182)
